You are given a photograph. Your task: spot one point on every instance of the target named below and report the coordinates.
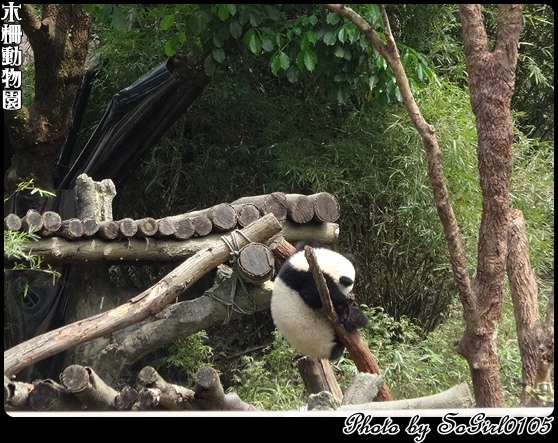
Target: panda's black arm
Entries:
(350, 316)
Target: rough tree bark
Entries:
(492, 76)
(60, 40)
(491, 83)
(535, 338)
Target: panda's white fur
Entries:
(296, 305)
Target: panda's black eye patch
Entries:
(346, 281)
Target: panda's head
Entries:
(338, 269)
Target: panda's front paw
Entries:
(355, 320)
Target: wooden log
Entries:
(16, 394)
(318, 376)
(222, 217)
(94, 199)
(210, 395)
(70, 229)
(56, 250)
(90, 226)
(147, 227)
(32, 221)
(363, 388)
(202, 226)
(52, 222)
(255, 263)
(183, 229)
(128, 227)
(149, 302)
(109, 230)
(246, 214)
(91, 391)
(12, 222)
(147, 400)
(274, 203)
(47, 395)
(177, 321)
(326, 208)
(457, 397)
(171, 397)
(281, 249)
(126, 398)
(322, 401)
(165, 228)
(300, 208)
(327, 233)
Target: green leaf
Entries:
(119, 21)
(275, 64)
(272, 12)
(236, 28)
(253, 41)
(342, 36)
(292, 74)
(267, 44)
(218, 54)
(372, 80)
(311, 37)
(310, 59)
(223, 12)
(285, 61)
(167, 22)
(332, 18)
(279, 61)
(232, 9)
(330, 38)
(343, 94)
(170, 50)
(339, 51)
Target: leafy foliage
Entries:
(16, 243)
(188, 355)
(296, 41)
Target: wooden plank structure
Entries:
(223, 217)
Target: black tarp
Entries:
(135, 120)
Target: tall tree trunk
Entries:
(535, 338)
(60, 41)
(491, 84)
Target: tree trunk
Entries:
(60, 41)
(491, 83)
(535, 339)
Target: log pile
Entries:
(81, 389)
(224, 217)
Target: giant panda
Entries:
(296, 305)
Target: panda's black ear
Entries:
(346, 281)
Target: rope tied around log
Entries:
(233, 246)
(234, 249)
